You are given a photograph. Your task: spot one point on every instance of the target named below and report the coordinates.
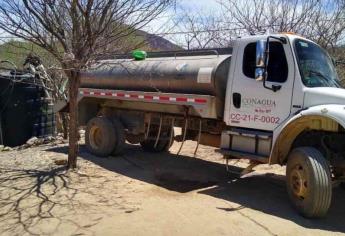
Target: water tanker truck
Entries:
(272, 99)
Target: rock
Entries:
(61, 162)
(24, 146)
(32, 141)
(61, 141)
(49, 139)
(2, 148)
(6, 149)
(40, 141)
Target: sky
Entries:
(160, 25)
(203, 4)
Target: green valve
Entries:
(139, 55)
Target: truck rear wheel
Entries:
(309, 182)
(163, 144)
(100, 136)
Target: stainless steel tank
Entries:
(206, 75)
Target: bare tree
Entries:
(320, 20)
(75, 32)
(198, 30)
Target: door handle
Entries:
(236, 100)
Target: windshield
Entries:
(315, 65)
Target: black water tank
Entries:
(24, 110)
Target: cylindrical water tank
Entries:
(206, 75)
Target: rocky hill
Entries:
(16, 51)
(157, 43)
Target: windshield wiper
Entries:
(317, 73)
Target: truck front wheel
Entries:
(309, 182)
(100, 136)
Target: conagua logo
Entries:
(258, 102)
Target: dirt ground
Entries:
(141, 193)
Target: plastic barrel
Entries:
(26, 112)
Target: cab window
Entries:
(277, 66)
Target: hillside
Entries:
(157, 43)
(16, 51)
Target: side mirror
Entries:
(260, 59)
(262, 56)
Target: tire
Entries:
(309, 183)
(120, 139)
(163, 145)
(100, 136)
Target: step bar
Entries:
(243, 155)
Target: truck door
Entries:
(252, 105)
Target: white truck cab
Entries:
(302, 71)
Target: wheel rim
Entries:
(299, 182)
(95, 137)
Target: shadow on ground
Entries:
(26, 199)
(265, 193)
(42, 200)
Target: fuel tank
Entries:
(205, 75)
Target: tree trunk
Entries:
(64, 118)
(73, 122)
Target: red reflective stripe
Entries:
(148, 97)
(200, 100)
(181, 99)
(163, 98)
